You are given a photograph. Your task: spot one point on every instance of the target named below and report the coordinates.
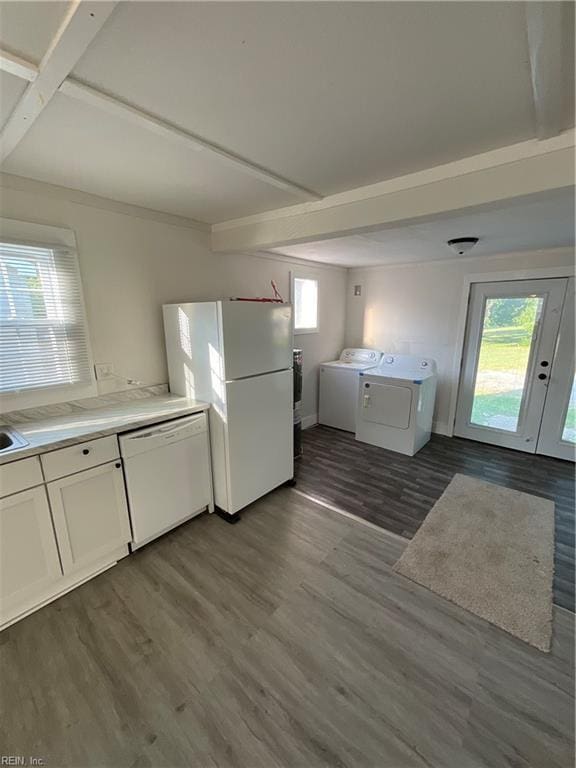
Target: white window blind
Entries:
(43, 335)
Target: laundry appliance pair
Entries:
(385, 399)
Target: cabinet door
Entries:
(90, 514)
(29, 561)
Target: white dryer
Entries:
(339, 387)
(396, 403)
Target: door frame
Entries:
(542, 345)
(486, 277)
(550, 442)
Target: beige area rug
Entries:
(491, 550)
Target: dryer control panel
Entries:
(409, 364)
(354, 355)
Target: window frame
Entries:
(300, 276)
(44, 236)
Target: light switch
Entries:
(357, 290)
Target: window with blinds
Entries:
(43, 335)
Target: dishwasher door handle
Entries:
(156, 432)
(167, 430)
(162, 434)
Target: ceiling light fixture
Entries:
(461, 245)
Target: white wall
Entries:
(416, 309)
(131, 266)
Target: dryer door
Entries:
(387, 404)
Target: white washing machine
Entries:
(396, 403)
(339, 387)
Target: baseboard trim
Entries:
(309, 421)
(439, 428)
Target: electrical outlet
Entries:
(104, 371)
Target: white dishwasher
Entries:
(168, 476)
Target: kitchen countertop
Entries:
(61, 431)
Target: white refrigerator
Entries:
(237, 355)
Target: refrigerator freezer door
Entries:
(257, 338)
(260, 455)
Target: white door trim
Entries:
(487, 277)
(550, 442)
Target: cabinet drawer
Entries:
(20, 475)
(67, 461)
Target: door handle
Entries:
(542, 376)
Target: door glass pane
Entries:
(569, 432)
(506, 342)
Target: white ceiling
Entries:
(137, 167)
(329, 95)
(332, 95)
(27, 28)
(11, 88)
(526, 225)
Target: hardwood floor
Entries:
(284, 641)
(396, 492)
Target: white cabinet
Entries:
(64, 517)
(90, 515)
(29, 563)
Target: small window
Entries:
(305, 305)
(43, 335)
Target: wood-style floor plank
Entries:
(284, 641)
(396, 492)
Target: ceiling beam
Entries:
(13, 64)
(121, 109)
(79, 27)
(527, 168)
(114, 106)
(548, 27)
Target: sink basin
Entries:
(10, 440)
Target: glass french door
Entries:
(510, 362)
(558, 430)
